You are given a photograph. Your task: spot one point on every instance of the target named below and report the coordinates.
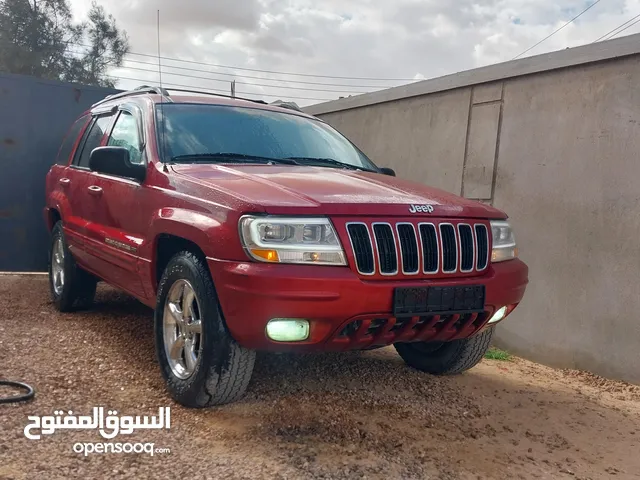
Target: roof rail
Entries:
(200, 92)
(287, 105)
(143, 89)
(136, 91)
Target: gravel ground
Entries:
(353, 415)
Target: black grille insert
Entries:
(408, 247)
(411, 248)
(482, 249)
(359, 235)
(386, 248)
(449, 248)
(466, 247)
(429, 247)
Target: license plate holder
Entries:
(419, 301)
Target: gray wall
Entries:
(34, 117)
(559, 151)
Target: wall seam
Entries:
(466, 141)
(497, 152)
(488, 102)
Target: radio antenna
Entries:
(162, 147)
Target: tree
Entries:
(106, 47)
(38, 37)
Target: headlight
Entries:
(504, 242)
(291, 240)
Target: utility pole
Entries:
(233, 89)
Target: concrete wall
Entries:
(558, 149)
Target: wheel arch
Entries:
(166, 245)
(206, 234)
(53, 216)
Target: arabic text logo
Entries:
(109, 426)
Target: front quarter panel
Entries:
(217, 236)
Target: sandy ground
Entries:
(355, 415)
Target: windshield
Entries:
(200, 130)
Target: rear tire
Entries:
(201, 363)
(446, 358)
(71, 287)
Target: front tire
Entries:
(200, 362)
(71, 287)
(446, 358)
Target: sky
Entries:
(376, 43)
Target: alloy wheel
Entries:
(182, 329)
(57, 266)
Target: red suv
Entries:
(250, 226)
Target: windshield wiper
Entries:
(326, 162)
(226, 156)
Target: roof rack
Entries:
(287, 105)
(143, 89)
(200, 92)
(136, 91)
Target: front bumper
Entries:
(331, 298)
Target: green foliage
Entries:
(497, 354)
(38, 38)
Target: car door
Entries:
(69, 181)
(116, 222)
(74, 181)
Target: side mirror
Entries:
(388, 171)
(116, 161)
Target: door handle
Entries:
(95, 190)
(64, 182)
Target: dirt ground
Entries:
(353, 415)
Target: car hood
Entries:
(288, 189)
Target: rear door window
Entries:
(93, 138)
(66, 149)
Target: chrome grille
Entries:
(466, 247)
(362, 247)
(386, 243)
(449, 248)
(430, 250)
(407, 248)
(482, 241)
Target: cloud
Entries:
(403, 39)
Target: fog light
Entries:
(288, 329)
(499, 315)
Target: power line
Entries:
(557, 30)
(618, 33)
(241, 83)
(221, 90)
(287, 87)
(619, 26)
(262, 71)
(234, 75)
(339, 92)
(250, 76)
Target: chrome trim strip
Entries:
(353, 250)
(473, 247)
(438, 242)
(378, 250)
(400, 243)
(486, 231)
(455, 269)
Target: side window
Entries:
(125, 134)
(70, 140)
(93, 139)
